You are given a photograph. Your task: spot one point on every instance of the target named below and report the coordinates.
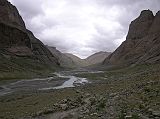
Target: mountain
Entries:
(91, 60)
(142, 43)
(20, 50)
(63, 59)
(97, 58)
(77, 61)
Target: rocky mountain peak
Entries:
(140, 26)
(146, 15)
(158, 13)
(10, 15)
(142, 42)
(18, 41)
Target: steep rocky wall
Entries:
(142, 43)
(18, 41)
(10, 15)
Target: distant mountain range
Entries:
(72, 61)
(63, 59)
(97, 58)
(21, 51)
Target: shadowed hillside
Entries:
(142, 44)
(20, 50)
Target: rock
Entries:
(112, 94)
(92, 101)
(143, 117)
(63, 106)
(128, 117)
(87, 94)
(87, 111)
(64, 101)
(156, 113)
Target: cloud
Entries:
(82, 27)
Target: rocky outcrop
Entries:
(139, 28)
(16, 42)
(142, 43)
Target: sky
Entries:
(82, 27)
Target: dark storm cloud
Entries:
(82, 27)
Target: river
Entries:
(64, 79)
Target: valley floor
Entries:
(128, 93)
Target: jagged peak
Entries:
(146, 15)
(141, 25)
(146, 12)
(158, 13)
(10, 15)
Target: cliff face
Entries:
(142, 43)
(10, 15)
(16, 42)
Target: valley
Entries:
(117, 93)
(38, 81)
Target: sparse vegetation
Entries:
(134, 89)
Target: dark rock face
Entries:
(41, 51)
(10, 15)
(17, 41)
(11, 36)
(140, 26)
(142, 43)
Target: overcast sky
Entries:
(82, 27)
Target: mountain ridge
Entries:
(142, 42)
(20, 50)
(70, 60)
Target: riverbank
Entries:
(55, 81)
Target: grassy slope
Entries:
(138, 88)
(22, 67)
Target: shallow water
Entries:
(72, 82)
(61, 80)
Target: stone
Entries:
(128, 117)
(156, 113)
(63, 106)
